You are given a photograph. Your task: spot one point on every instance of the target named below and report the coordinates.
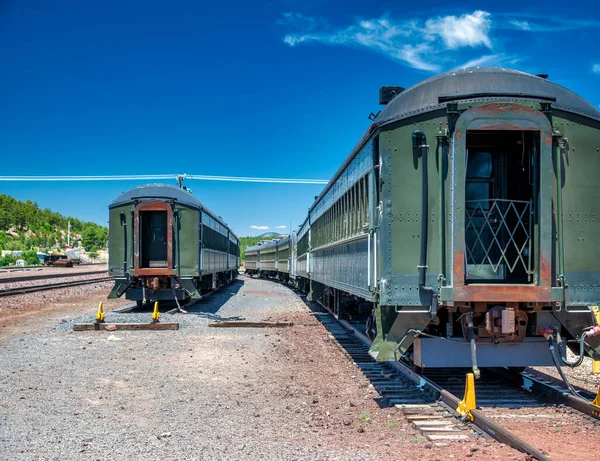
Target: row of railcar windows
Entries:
(346, 218)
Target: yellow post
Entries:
(100, 314)
(596, 401)
(596, 367)
(155, 314)
(468, 402)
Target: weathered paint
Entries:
(152, 206)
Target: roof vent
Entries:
(387, 93)
(544, 76)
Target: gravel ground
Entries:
(34, 304)
(6, 285)
(580, 376)
(560, 432)
(7, 274)
(198, 392)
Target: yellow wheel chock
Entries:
(155, 314)
(100, 314)
(468, 402)
(596, 401)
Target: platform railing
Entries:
(501, 234)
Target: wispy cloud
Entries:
(596, 68)
(492, 60)
(523, 25)
(432, 44)
(260, 227)
(280, 227)
(536, 23)
(417, 43)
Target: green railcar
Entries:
(165, 244)
(466, 215)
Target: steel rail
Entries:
(480, 420)
(550, 392)
(47, 276)
(51, 286)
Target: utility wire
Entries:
(164, 176)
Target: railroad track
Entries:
(429, 400)
(51, 286)
(49, 276)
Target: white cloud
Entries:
(596, 68)
(279, 227)
(491, 60)
(523, 25)
(419, 44)
(260, 227)
(536, 23)
(466, 30)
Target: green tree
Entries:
(31, 258)
(89, 238)
(7, 261)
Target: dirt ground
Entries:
(198, 392)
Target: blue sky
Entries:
(271, 89)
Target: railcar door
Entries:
(154, 239)
(499, 184)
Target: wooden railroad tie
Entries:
(125, 326)
(250, 324)
(100, 324)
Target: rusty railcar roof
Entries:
(482, 83)
(164, 191)
(470, 84)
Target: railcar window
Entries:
(344, 219)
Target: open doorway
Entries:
(501, 178)
(153, 234)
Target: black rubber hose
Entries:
(556, 360)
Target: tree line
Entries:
(43, 228)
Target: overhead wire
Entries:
(166, 176)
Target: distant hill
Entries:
(269, 235)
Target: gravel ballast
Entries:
(198, 392)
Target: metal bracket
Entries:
(447, 293)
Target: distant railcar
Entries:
(252, 260)
(283, 259)
(165, 244)
(466, 215)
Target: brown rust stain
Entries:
(502, 293)
(153, 205)
(507, 126)
(545, 272)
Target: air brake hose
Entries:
(556, 360)
(476, 371)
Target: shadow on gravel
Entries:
(213, 302)
(210, 304)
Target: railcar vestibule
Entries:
(500, 183)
